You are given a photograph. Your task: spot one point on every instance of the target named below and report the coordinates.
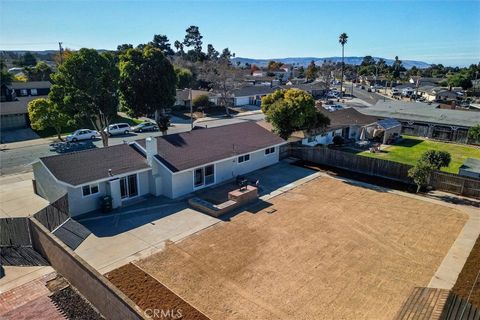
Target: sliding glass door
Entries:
(128, 186)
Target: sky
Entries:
(445, 32)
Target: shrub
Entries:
(437, 159)
(338, 140)
(201, 101)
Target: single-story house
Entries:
(470, 168)
(426, 120)
(251, 95)
(317, 89)
(172, 166)
(185, 97)
(347, 123)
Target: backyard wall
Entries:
(110, 301)
(46, 186)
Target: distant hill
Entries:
(304, 61)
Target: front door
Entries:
(128, 186)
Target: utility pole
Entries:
(61, 52)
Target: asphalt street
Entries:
(18, 160)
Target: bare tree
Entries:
(223, 79)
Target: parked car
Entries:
(145, 126)
(118, 128)
(82, 134)
(395, 92)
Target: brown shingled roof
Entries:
(81, 167)
(198, 147)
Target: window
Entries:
(271, 150)
(204, 176)
(209, 174)
(33, 92)
(23, 92)
(88, 190)
(198, 177)
(243, 158)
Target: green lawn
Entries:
(50, 132)
(411, 148)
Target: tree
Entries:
(397, 67)
(311, 73)
(124, 47)
(342, 39)
(212, 54)
(184, 77)
(179, 46)
(5, 77)
(45, 114)
(222, 77)
(274, 65)
(85, 87)
(474, 133)
(61, 57)
(147, 84)
(193, 38)
(161, 42)
(201, 101)
(41, 72)
(292, 110)
(436, 158)
(460, 79)
(226, 54)
(368, 61)
(420, 173)
(28, 59)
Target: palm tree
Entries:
(342, 39)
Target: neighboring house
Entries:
(347, 123)
(185, 97)
(470, 168)
(426, 120)
(261, 81)
(317, 89)
(7, 93)
(15, 98)
(31, 88)
(171, 166)
(251, 95)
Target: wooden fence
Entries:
(456, 184)
(349, 161)
(442, 181)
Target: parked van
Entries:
(118, 128)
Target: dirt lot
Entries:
(467, 277)
(150, 295)
(330, 251)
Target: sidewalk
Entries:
(27, 143)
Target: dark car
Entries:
(145, 126)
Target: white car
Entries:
(82, 134)
(118, 128)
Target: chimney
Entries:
(151, 148)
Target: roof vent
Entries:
(110, 172)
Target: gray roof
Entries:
(422, 112)
(81, 167)
(472, 165)
(18, 106)
(31, 85)
(388, 123)
(249, 91)
(198, 147)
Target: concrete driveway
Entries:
(17, 198)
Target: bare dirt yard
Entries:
(329, 250)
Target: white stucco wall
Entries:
(47, 186)
(78, 204)
(182, 182)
